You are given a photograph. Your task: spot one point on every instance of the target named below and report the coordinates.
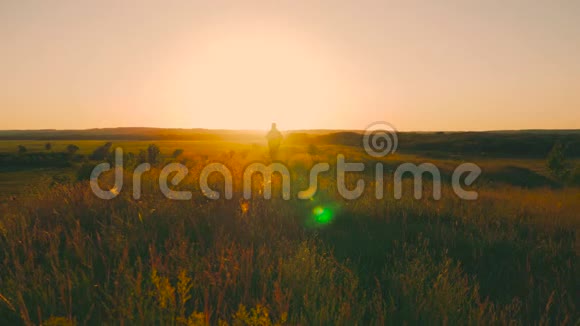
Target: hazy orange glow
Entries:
(449, 65)
(246, 78)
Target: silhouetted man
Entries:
(274, 139)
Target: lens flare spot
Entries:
(322, 215)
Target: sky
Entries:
(419, 65)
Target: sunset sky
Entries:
(420, 65)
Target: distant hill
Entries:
(527, 143)
(522, 143)
(136, 133)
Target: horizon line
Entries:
(286, 130)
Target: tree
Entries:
(557, 163)
(71, 149)
(153, 153)
(142, 156)
(312, 149)
(177, 153)
(102, 152)
(129, 159)
(21, 149)
(48, 146)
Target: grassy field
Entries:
(19, 181)
(88, 146)
(14, 180)
(68, 257)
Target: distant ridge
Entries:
(520, 143)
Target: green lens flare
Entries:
(322, 215)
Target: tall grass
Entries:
(67, 257)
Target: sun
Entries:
(247, 78)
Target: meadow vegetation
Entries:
(68, 257)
